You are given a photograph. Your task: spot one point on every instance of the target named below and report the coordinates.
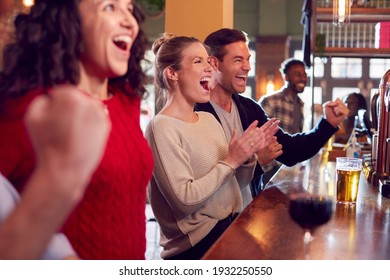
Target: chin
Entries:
(203, 99)
(239, 90)
(119, 71)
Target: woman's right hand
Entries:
(241, 149)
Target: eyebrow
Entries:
(241, 57)
(198, 57)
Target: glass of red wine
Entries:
(310, 210)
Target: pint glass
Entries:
(348, 175)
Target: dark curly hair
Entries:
(47, 47)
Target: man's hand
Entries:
(335, 112)
(268, 148)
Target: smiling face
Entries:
(232, 72)
(195, 73)
(296, 78)
(109, 30)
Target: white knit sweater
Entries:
(192, 188)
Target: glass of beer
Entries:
(348, 175)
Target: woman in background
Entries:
(97, 47)
(355, 102)
(198, 177)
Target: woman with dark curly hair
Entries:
(97, 47)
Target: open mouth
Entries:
(122, 42)
(205, 83)
(241, 77)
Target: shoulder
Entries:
(272, 96)
(239, 98)
(160, 125)
(248, 105)
(206, 116)
(160, 120)
(15, 108)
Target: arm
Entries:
(190, 168)
(302, 146)
(295, 148)
(60, 126)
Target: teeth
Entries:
(205, 79)
(300, 84)
(241, 76)
(122, 38)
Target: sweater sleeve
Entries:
(302, 146)
(186, 189)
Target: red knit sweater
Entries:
(109, 223)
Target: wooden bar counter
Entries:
(264, 229)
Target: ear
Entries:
(171, 74)
(213, 62)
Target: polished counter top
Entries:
(264, 229)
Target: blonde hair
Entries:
(169, 53)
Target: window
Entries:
(319, 68)
(148, 105)
(306, 96)
(378, 67)
(346, 67)
(148, 65)
(318, 62)
(340, 92)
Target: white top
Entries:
(59, 246)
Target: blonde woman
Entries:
(198, 176)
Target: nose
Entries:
(208, 67)
(246, 65)
(303, 76)
(128, 20)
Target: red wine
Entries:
(310, 211)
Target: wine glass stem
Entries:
(307, 238)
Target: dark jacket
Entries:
(296, 148)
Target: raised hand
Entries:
(267, 147)
(335, 112)
(241, 149)
(69, 130)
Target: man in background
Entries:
(285, 104)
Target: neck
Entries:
(222, 98)
(93, 85)
(291, 91)
(179, 108)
